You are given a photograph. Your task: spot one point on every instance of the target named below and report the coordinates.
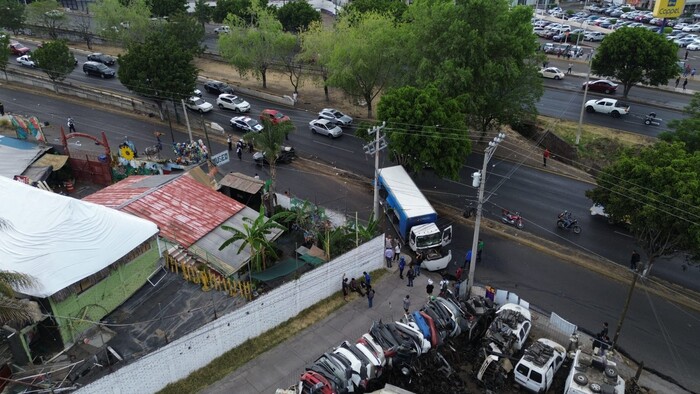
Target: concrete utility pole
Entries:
(373, 149)
(479, 180)
(187, 120)
(635, 275)
(583, 104)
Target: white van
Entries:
(535, 370)
(515, 320)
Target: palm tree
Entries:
(269, 141)
(11, 309)
(255, 235)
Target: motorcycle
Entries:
(651, 119)
(513, 219)
(566, 222)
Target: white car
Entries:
(233, 102)
(610, 106)
(594, 36)
(693, 46)
(222, 30)
(335, 116)
(26, 60)
(325, 127)
(551, 72)
(246, 124)
(692, 28)
(198, 104)
(536, 369)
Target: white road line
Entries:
(334, 147)
(624, 235)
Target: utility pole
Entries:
(187, 120)
(635, 275)
(479, 180)
(583, 104)
(373, 149)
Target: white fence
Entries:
(185, 355)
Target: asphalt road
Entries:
(656, 331)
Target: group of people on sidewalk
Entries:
(357, 286)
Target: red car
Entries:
(273, 116)
(601, 86)
(18, 49)
(314, 382)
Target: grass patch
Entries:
(252, 348)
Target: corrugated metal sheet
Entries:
(238, 181)
(183, 209)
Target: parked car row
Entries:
(355, 367)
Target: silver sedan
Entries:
(325, 127)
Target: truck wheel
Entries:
(580, 379)
(615, 114)
(590, 109)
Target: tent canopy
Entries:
(60, 240)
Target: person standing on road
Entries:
(370, 295)
(397, 251)
(345, 287)
(368, 279)
(410, 277)
(389, 256)
(692, 73)
(571, 65)
(685, 82)
(2, 109)
(419, 261)
(229, 142)
(71, 125)
(239, 153)
(686, 55)
(678, 81)
(406, 303)
(603, 334)
(402, 265)
(479, 249)
(634, 260)
(545, 156)
(429, 288)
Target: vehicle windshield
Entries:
(428, 241)
(102, 67)
(279, 115)
(237, 100)
(198, 101)
(339, 114)
(252, 123)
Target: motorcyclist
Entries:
(566, 218)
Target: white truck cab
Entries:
(535, 370)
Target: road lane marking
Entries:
(334, 147)
(623, 234)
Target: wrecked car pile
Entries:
(404, 353)
(504, 338)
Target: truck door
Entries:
(446, 236)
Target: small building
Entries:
(242, 188)
(86, 260)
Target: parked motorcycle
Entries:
(567, 222)
(513, 219)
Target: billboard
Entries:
(668, 8)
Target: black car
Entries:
(98, 69)
(217, 88)
(101, 58)
(286, 156)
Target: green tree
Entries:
(395, 8)
(255, 235)
(54, 58)
(47, 14)
(186, 30)
(12, 16)
(316, 46)
(480, 52)
(636, 55)
(126, 23)
(160, 68)
(254, 47)
(168, 8)
(203, 12)
(4, 53)
(297, 15)
(656, 190)
(239, 8)
(425, 129)
(11, 309)
(269, 142)
(364, 60)
(686, 129)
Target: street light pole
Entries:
(583, 104)
(479, 179)
(624, 310)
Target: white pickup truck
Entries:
(610, 106)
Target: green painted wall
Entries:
(102, 298)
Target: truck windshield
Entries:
(428, 241)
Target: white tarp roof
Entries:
(16, 155)
(60, 240)
(400, 184)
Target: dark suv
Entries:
(217, 88)
(98, 69)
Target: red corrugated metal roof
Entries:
(183, 209)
